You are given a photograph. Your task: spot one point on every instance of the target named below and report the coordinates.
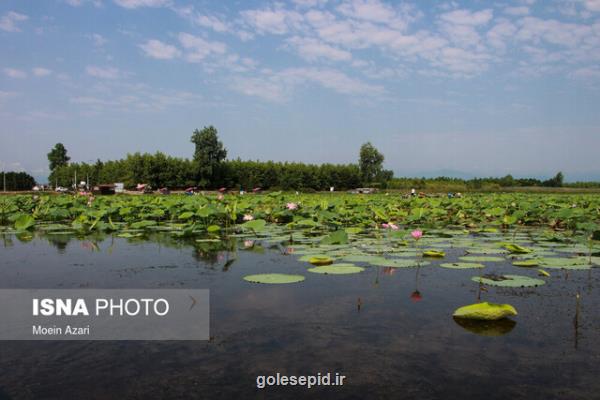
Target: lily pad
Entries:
(481, 259)
(396, 263)
(485, 311)
(516, 249)
(527, 263)
(574, 263)
(320, 260)
(307, 257)
(485, 250)
(274, 278)
(434, 253)
(337, 269)
(508, 280)
(461, 265)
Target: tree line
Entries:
(209, 169)
(12, 181)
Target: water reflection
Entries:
(486, 328)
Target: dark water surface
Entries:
(395, 346)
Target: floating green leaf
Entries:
(481, 259)
(517, 249)
(574, 263)
(527, 263)
(337, 269)
(485, 311)
(434, 253)
(320, 260)
(461, 265)
(508, 280)
(274, 278)
(396, 263)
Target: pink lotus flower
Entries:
(416, 296)
(220, 197)
(248, 217)
(417, 234)
(292, 206)
(248, 243)
(390, 225)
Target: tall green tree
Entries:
(557, 181)
(370, 162)
(58, 156)
(208, 155)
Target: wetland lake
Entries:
(388, 327)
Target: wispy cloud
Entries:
(131, 4)
(9, 22)
(312, 49)
(279, 86)
(41, 72)
(198, 49)
(103, 72)
(97, 39)
(15, 73)
(157, 49)
(277, 21)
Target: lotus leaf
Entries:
(485, 311)
(274, 278)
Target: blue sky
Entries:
(476, 87)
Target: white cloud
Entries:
(212, 22)
(40, 71)
(501, 33)
(552, 31)
(586, 73)
(370, 10)
(273, 21)
(466, 17)
(78, 3)
(10, 20)
(313, 49)
(98, 39)
(310, 3)
(592, 5)
(15, 73)
(157, 49)
(132, 97)
(103, 72)
(462, 62)
(198, 48)
(520, 10)
(142, 3)
(278, 86)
